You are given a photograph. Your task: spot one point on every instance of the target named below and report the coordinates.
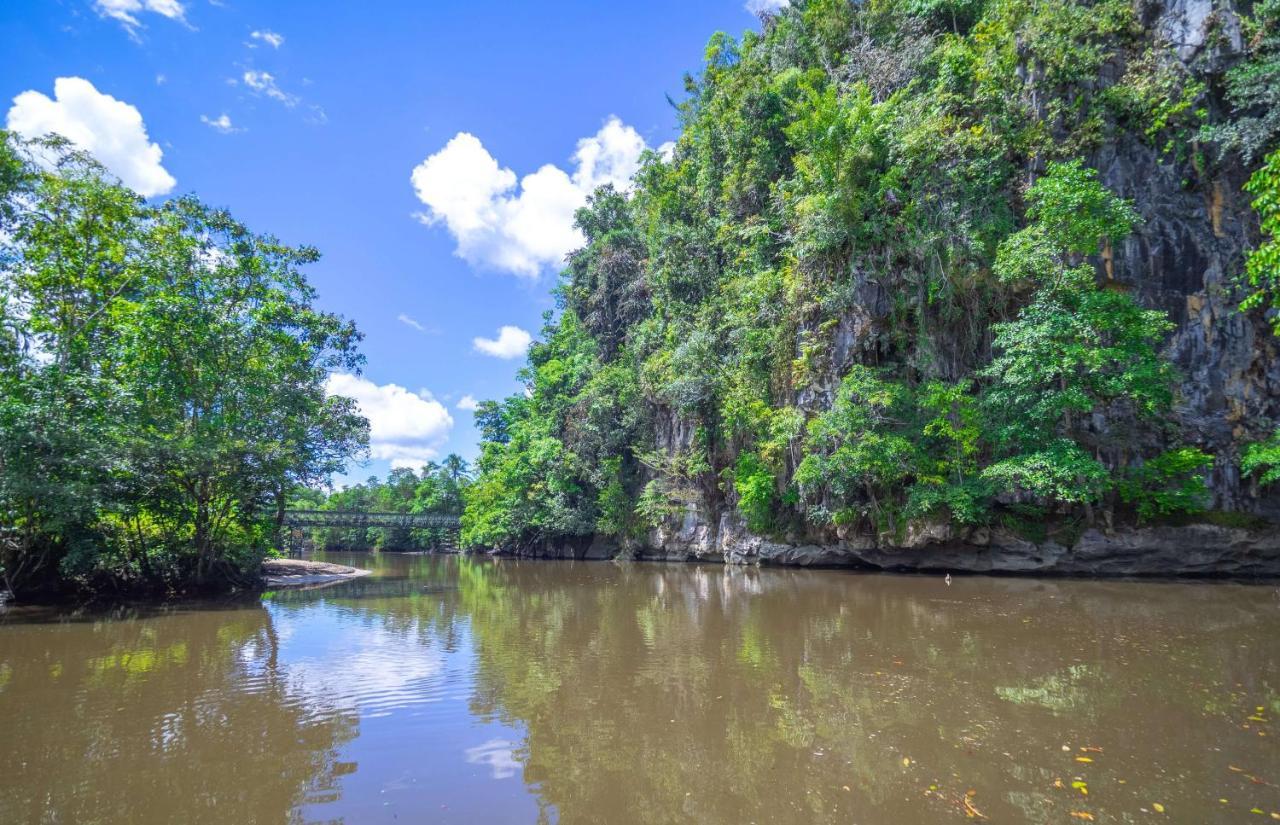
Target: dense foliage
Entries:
(434, 488)
(871, 285)
(162, 378)
(1263, 277)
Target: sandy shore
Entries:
(301, 573)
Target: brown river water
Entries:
(473, 691)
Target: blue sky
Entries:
(309, 119)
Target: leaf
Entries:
(1085, 815)
(1083, 759)
(972, 812)
(1157, 807)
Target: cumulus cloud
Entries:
(264, 83)
(525, 228)
(406, 428)
(767, 6)
(222, 123)
(468, 403)
(109, 129)
(272, 39)
(512, 342)
(127, 11)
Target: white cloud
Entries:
(222, 123)
(498, 754)
(406, 428)
(109, 129)
(405, 319)
(469, 403)
(264, 83)
(525, 229)
(126, 11)
(512, 342)
(766, 6)
(272, 39)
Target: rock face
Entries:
(1185, 259)
(1194, 550)
(1202, 549)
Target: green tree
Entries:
(1074, 353)
(1262, 269)
(163, 388)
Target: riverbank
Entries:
(301, 573)
(1204, 550)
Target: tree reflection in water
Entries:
(655, 693)
(597, 692)
(233, 744)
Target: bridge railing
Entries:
(297, 522)
(357, 518)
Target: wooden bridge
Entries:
(298, 522)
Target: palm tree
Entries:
(454, 466)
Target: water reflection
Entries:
(466, 690)
(158, 718)
(660, 694)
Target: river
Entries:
(447, 689)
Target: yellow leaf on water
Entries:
(1083, 759)
(1085, 815)
(1157, 807)
(906, 761)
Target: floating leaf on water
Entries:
(1083, 759)
(972, 812)
(1157, 807)
(906, 761)
(1081, 787)
(1085, 815)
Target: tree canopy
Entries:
(162, 373)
